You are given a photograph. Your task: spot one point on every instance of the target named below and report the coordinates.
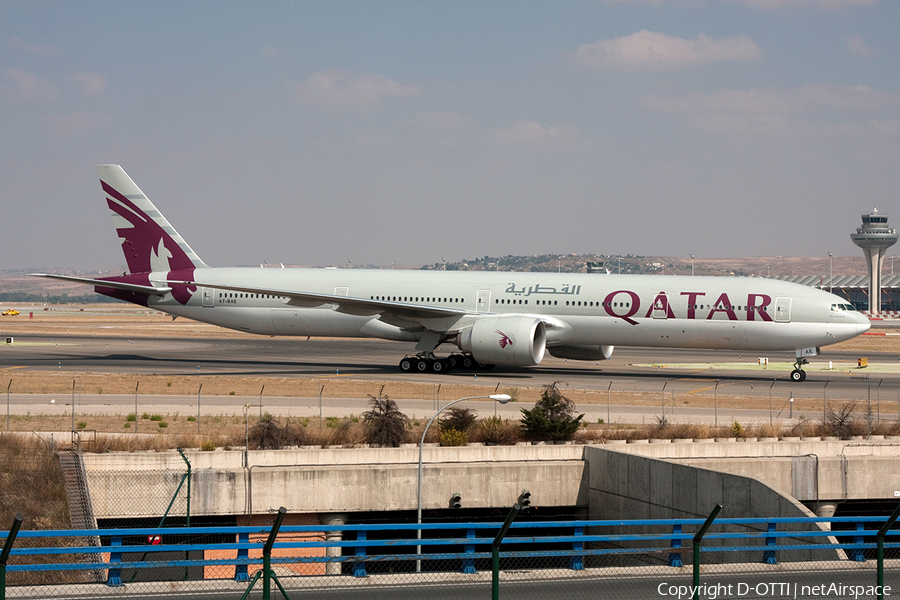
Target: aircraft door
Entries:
(208, 295)
(661, 306)
(483, 301)
(783, 310)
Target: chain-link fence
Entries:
(756, 558)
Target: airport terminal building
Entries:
(855, 288)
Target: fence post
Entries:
(769, 555)
(856, 554)
(115, 575)
(675, 557)
(240, 571)
(880, 537)
(267, 554)
(698, 539)
(359, 566)
(495, 547)
(266, 572)
(188, 463)
(468, 564)
(576, 562)
(7, 548)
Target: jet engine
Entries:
(582, 352)
(513, 340)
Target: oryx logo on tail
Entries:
(149, 242)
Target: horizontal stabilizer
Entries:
(116, 285)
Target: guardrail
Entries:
(648, 548)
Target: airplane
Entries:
(495, 318)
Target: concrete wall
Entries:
(628, 481)
(810, 471)
(626, 485)
(336, 480)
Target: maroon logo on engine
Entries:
(505, 340)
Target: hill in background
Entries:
(17, 286)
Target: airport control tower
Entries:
(874, 237)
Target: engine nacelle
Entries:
(517, 341)
(582, 352)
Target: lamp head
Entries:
(501, 398)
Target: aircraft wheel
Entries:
(408, 364)
(454, 360)
(467, 362)
(797, 375)
(440, 366)
(422, 365)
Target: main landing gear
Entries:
(426, 362)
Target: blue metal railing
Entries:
(766, 537)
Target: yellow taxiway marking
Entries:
(11, 368)
(711, 387)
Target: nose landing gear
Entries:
(798, 374)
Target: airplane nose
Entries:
(862, 324)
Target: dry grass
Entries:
(120, 323)
(31, 484)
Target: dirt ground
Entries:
(135, 322)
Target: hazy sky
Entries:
(322, 132)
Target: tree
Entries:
(552, 418)
(459, 418)
(385, 425)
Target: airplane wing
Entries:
(116, 285)
(402, 314)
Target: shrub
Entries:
(384, 424)
(347, 434)
(453, 437)
(737, 430)
(552, 418)
(458, 418)
(495, 431)
(163, 424)
(295, 434)
(156, 417)
(81, 424)
(131, 417)
(267, 434)
(207, 445)
(843, 423)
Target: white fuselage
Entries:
(587, 309)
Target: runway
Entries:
(664, 374)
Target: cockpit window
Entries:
(842, 307)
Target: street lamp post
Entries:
(692, 265)
(830, 273)
(502, 399)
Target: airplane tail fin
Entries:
(149, 242)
